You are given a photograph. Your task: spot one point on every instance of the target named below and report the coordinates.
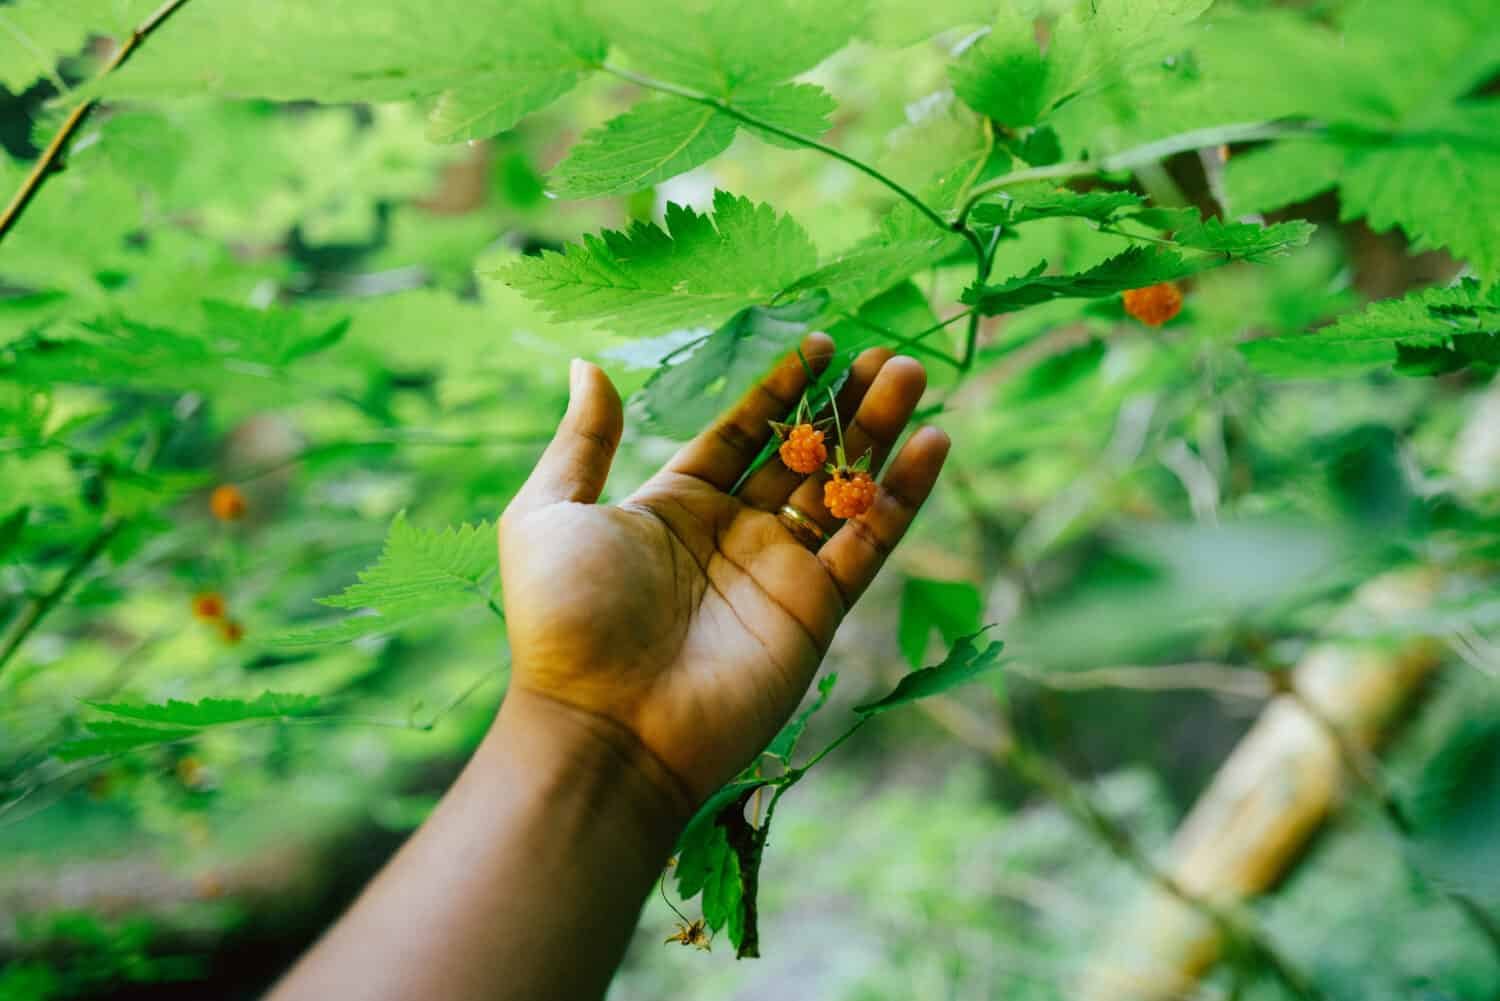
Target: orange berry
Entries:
(231, 632)
(849, 494)
(227, 503)
(208, 606)
(190, 772)
(804, 451)
(1154, 304)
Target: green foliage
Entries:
(285, 298)
(682, 397)
(138, 726)
(419, 572)
(965, 662)
(950, 607)
(696, 270)
(1431, 331)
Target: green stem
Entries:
(47, 164)
(723, 106)
(42, 605)
(793, 776)
(911, 342)
(1136, 156)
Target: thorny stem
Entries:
(51, 157)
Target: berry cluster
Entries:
(803, 450)
(849, 494)
(1154, 304)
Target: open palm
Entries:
(691, 619)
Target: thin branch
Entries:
(1206, 676)
(42, 605)
(52, 156)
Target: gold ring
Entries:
(803, 528)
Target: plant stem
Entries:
(723, 106)
(52, 155)
(1136, 156)
(42, 605)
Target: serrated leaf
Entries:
(964, 663)
(722, 48)
(785, 742)
(423, 571)
(696, 272)
(212, 712)
(352, 627)
(950, 607)
(681, 399)
(1279, 174)
(117, 737)
(1028, 202)
(1439, 183)
(655, 140)
(1244, 241)
(803, 108)
(1004, 76)
(1463, 320)
(1136, 267)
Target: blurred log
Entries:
(1279, 784)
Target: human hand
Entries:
(683, 624)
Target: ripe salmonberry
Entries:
(209, 606)
(1154, 304)
(803, 450)
(230, 631)
(227, 503)
(849, 494)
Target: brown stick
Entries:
(51, 157)
(1273, 793)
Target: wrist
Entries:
(575, 752)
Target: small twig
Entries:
(42, 605)
(1211, 677)
(52, 155)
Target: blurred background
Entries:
(1192, 561)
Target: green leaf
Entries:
(1279, 174)
(1136, 267)
(1454, 812)
(212, 712)
(785, 742)
(1410, 180)
(11, 528)
(422, 571)
(655, 140)
(1025, 203)
(681, 399)
(1244, 241)
(1463, 320)
(949, 606)
(491, 64)
(117, 737)
(964, 663)
(1005, 76)
(696, 272)
(35, 34)
(803, 108)
(722, 48)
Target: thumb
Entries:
(576, 462)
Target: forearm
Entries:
(526, 882)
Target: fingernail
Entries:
(575, 375)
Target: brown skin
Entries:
(657, 646)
